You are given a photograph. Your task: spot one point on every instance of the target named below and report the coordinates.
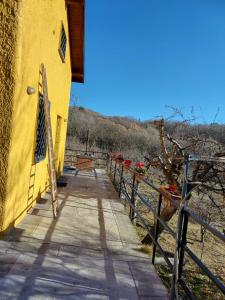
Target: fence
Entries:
(100, 158)
(126, 181)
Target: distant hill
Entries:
(130, 136)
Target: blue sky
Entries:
(143, 56)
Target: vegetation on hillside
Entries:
(111, 133)
(134, 138)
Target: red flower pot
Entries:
(127, 163)
(172, 188)
(139, 165)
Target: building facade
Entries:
(33, 33)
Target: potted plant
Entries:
(172, 189)
(127, 163)
(172, 196)
(140, 171)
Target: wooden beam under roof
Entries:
(76, 23)
(71, 2)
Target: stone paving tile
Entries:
(111, 277)
(34, 247)
(147, 282)
(129, 252)
(154, 298)
(74, 252)
(4, 246)
(11, 286)
(7, 261)
(91, 251)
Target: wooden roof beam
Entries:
(76, 22)
(78, 77)
(73, 2)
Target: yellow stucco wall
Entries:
(38, 38)
(8, 33)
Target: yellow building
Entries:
(31, 33)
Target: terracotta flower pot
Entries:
(171, 198)
(172, 188)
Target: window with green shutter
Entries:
(41, 146)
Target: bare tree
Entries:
(170, 162)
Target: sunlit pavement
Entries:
(90, 251)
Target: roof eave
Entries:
(77, 77)
(76, 24)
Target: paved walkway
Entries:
(91, 251)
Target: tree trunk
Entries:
(171, 203)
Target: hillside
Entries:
(111, 133)
(134, 138)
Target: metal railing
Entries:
(122, 183)
(100, 158)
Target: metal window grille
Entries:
(62, 48)
(41, 146)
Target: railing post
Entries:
(132, 199)
(173, 291)
(182, 244)
(107, 163)
(156, 228)
(114, 176)
(180, 227)
(121, 179)
(110, 168)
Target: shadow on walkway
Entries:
(90, 251)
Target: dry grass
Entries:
(211, 252)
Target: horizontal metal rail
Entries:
(207, 158)
(148, 205)
(206, 225)
(116, 169)
(89, 151)
(186, 289)
(146, 226)
(100, 158)
(203, 267)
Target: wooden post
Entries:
(48, 128)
